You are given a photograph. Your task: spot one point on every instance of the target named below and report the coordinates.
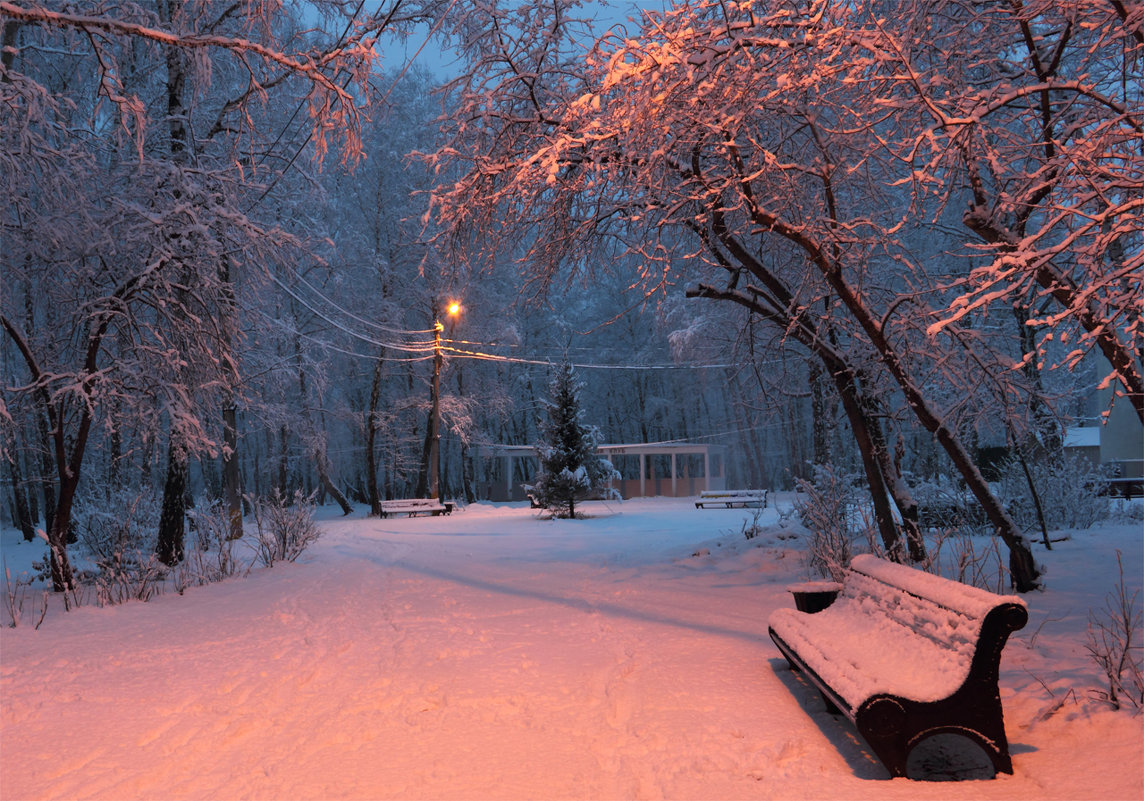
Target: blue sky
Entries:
(429, 55)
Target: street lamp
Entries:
(453, 309)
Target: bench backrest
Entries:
(954, 615)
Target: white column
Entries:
(508, 477)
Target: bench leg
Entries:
(894, 729)
(831, 707)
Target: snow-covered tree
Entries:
(130, 143)
(775, 154)
(1029, 123)
(570, 467)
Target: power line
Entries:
(482, 356)
(406, 347)
(289, 122)
(353, 316)
(428, 348)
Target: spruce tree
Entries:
(570, 468)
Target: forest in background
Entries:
(231, 230)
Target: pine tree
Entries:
(570, 468)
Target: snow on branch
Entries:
(332, 107)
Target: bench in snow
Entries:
(906, 655)
(416, 506)
(731, 498)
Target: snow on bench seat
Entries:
(907, 648)
(731, 498)
(415, 506)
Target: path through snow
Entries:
(485, 655)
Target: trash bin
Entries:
(814, 596)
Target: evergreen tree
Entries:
(570, 468)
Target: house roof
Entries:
(1086, 437)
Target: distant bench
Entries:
(416, 506)
(731, 498)
(906, 655)
(1125, 487)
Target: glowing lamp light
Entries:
(454, 309)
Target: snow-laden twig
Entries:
(1114, 643)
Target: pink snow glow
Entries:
(492, 655)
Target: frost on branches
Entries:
(135, 141)
(570, 468)
(809, 163)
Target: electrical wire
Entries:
(482, 356)
(354, 317)
(428, 349)
(405, 347)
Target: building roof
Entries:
(1086, 437)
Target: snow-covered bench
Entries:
(731, 498)
(906, 655)
(416, 506)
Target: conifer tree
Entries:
(570, 468)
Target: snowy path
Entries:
(480, 656)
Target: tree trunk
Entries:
(169, 546)
(868, 437)
(372, 492)
(1044, 420)
(750, 452)
(322, 462)
(903, 499)
(231, 477)
(283, 481)
(22, 517)
(1023, 568)
(434, 455)
(422, 489)
(8, 47)
(47, 485)
(468, 491)
(63, 580)
(821, 424)
(468, 482)
(172, 520)
(776, 300)
(906, 503)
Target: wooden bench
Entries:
(416, 506)
(731, 498)
(906, 655)
(1124, 487)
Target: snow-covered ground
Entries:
(490, 654)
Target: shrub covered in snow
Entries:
(1114, 633)
(211, 555)
(285, 526)
(117, 534)
(1068, 490)
(836, 521)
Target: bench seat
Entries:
(837, 648)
